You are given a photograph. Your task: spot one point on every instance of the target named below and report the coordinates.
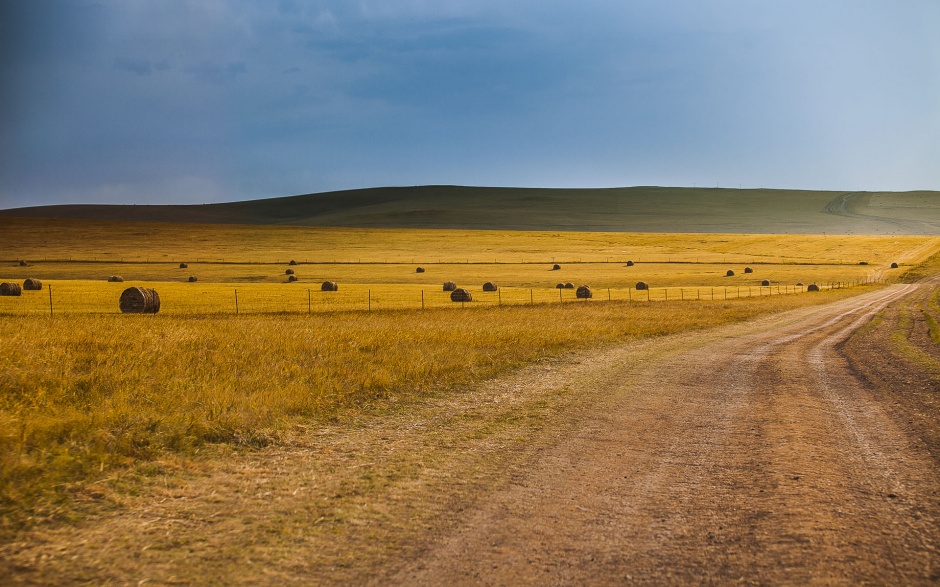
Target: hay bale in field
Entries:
(23, 263)
(584, 292)
(730, 273)
(569, 286)
(184, 266)
(863, 262)
(560, 286)
(289, 272)
(894, 265)
(116, 279)
(630, 263)
(799, 285)
(449, 286)
(192, 279)
(291, 278)
(460, 295)
(556, 267)
(419, 270)
(642, 285)
(32, 284)
(292, 262)
(765, 283)
(139, 300)
(748, 270)
(329, 286)
(489, 286)
(812, 287)
(10, 289)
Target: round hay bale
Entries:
(139, 300)
(23, 263)
(894, 265)
(765, 283)
(192, 279)
(32, 284)
(863, 262)
(799, 284)
(748, 270)
(291, 278)
(569, 286)
(812, 287)
(449, 286)
(10, 289)
(329, 286)
(184, 266)
(642, 285)
(556, 267)
(419, 270)
(292, 262)
(289, 272)
(116, 279)
(730, 273)
(489, 286)
(460, 295)
(560, 286)
(630, 263)
(584, 292)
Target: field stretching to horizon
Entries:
(92, 398)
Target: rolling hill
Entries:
(634, 209)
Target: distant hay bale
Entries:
(460, 295)
(489, 286)
(642, 285)
(419, 270)
(10, 289)
(630, 263)
(116, 279)
(730, 273)
(556, 267)
(292, 262)
(449, 286)
(894, 265)
(748, 270)
(23, 263)
(329, 286)
(863, 262)
(799, 285)
(139, 300)
(765, 283)
(289, 272)
(569, 286)
(812, 287)
(291, 278)
(184, 266)
(192, 279)
(32, 284)
(584, 292)
(560, 286)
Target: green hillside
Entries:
(636, 209)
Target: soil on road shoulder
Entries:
(760, 459)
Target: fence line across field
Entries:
(223, 298)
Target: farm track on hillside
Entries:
(755, 452)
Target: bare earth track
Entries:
(755, 453)
(759, 459)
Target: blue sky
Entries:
(189, 101)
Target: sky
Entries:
(193, 101)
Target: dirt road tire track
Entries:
(760, 459)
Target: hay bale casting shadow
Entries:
(569, 286)
(291, 278)
(560, 286)
(748, 270)
(765, 283)
(419, 270)
(10, 289)
(192, 279)
(292, 262)
(894, 265)
(630, 263)
(556, 267)
(329, 286)
(460, 295)
(289, 272)
(730, 273)
(584, 292)
(32, 284)
(184, 266)
(23, 263)
(116, 279)
(641, 285)
(139, 300)
(489, 286)
(812, 287)
(449, 286)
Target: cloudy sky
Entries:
(181, 101)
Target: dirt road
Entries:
(760, 459)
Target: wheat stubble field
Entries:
(348, 445)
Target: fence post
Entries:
(50, 299)
(236, 302)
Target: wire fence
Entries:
(80, 297)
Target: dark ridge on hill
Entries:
(635, 209)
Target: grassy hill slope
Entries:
(636, 209)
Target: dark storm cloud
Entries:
(208, 100)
